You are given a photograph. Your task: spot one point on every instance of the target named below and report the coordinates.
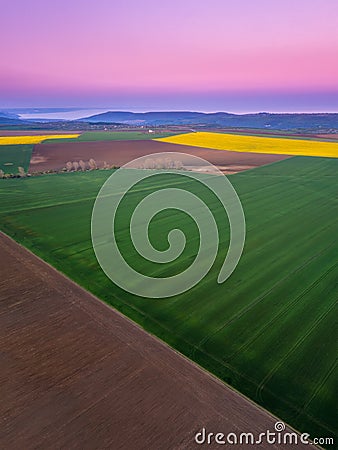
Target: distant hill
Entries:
(8, 118)
(8, 114)
(315, 121)
(10, 121)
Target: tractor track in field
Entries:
(287, 306)
(318, 387)
(256, 301)
(299, 341)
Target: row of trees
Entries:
(20, 174)
(162, 163)
(72, 166)
(149, 163)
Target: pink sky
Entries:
(87, 53)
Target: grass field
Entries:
(269, 331)
(33, 139)
(14, 156)
(256, 144)
(115, 136)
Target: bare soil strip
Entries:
(77, 374)
(55, 156)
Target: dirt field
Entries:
(54, 156)
(334, 137)
(76, 374)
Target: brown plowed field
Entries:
(76, 374)
(332, 136)
(54, 156)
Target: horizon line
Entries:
(60, 110)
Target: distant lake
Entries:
(67, 115)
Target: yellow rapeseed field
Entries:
(255, 144)
(15, 140)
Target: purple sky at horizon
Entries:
(237, 56)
